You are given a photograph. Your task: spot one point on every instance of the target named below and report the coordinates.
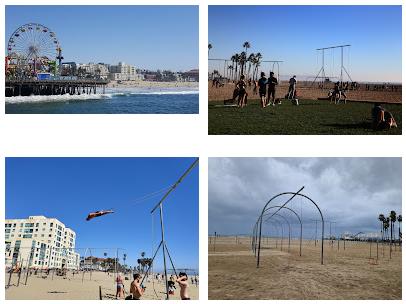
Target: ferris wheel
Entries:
(33, 42)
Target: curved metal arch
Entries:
(300, 221)
(293, 195)
(255, 230)
(281, 226)
(290, 228)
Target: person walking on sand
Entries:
(120, 287)
(184, 285)
(136, 290)
(272, 83)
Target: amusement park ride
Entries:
(33, 49)
(33, 65)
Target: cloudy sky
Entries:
(351, 192)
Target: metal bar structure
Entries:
(342, 68)
(293, 194)
(274, 62)
(289, 234)
(289, 209)
(163, 241)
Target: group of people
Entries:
(137, 290)
(266, 87)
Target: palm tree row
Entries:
(243, 64)
(389, 222)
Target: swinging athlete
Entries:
(97, 214)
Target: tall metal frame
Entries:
(294, 194)
(255, 231)
(342, 68)
(162, 244)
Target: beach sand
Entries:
(226, 92)
(346, 274)
(72, 288)
(152, 84)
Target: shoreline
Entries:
(152, 84)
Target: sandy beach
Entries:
(226, 92)
(72, 288)
(346, 274)
(152, 84)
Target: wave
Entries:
(56, 98)
(167, 93)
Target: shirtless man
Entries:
(184, 285)
(135, 288)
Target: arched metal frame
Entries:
(294, 194)
(298, 217)
(281, 226)
(287, 222)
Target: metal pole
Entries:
(163, 250)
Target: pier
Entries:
(30, 87)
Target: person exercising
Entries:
(184, 285)
(135, 289)
(97, 214)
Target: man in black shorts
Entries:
(272, 83)
(262, 89)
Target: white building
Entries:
(94, 69)
(40, 242)
(123, 72)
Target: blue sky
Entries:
(293, 33)
(69, 188)
(164, 37)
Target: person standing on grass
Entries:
(272, 83)
(262, 89)
(242, 92)
(292, 87)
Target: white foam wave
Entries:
(167, 93)
(56, 98)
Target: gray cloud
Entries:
(349, 191)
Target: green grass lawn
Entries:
(310, 117)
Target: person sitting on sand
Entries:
(262, 82)
(120, 287)
(184, 285)
(242, 92)
(97, 214)
(135, 289)
(272, 83)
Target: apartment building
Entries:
(40, 242)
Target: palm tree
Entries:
(250, 61)
(381, 218)
(230, 68)
(246, 45)
(210, 47)
(242, 61)
(258, 57)
(392, 217)
(236, 59)
(399, 222)
(386, 226)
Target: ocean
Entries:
(114, 101)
